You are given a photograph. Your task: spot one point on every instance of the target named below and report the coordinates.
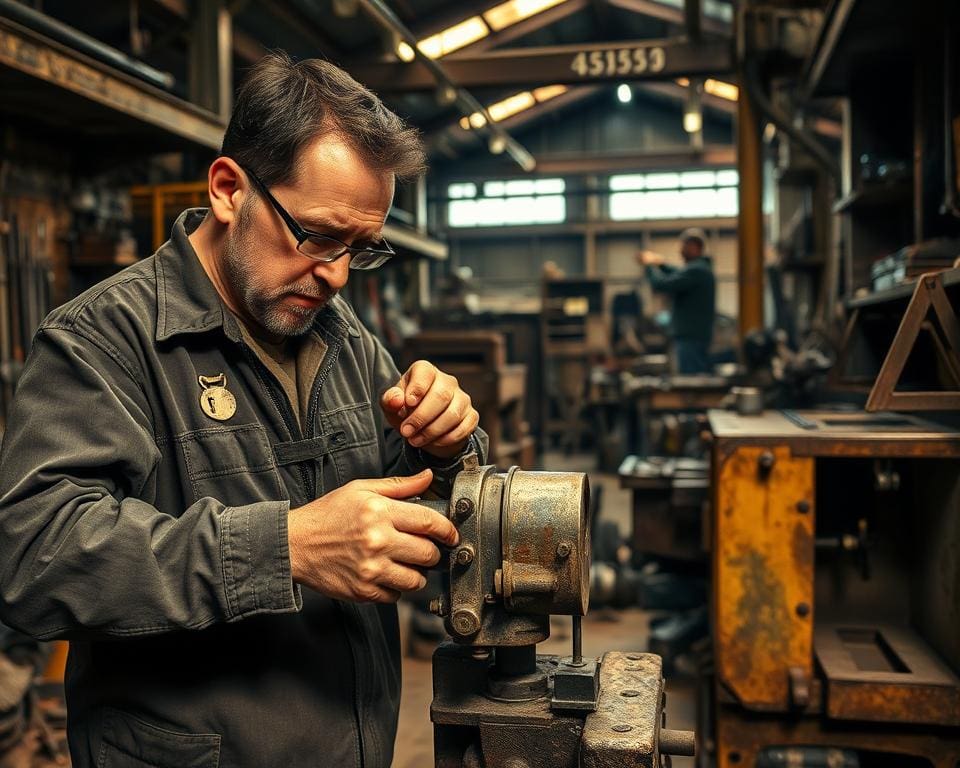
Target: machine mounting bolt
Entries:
(767, 460)
(803, 610)
(465, 555)
(465, 622)
(803, 506)
(622, 728)
(463, 508)
(564, 548)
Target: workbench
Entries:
(836, 585)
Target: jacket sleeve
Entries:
(664, 279)
(399, 457)
(81, 554)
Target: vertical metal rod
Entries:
(577, 640)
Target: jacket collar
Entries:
(188, 302)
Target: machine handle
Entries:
(678, 743)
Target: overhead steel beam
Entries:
(566, 64)
(585, 163)
(451, 137)
(671, 15)
(500, 140)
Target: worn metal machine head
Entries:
(524, 555)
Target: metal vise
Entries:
(524, 555)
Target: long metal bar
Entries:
(384, 15)
(625, 61)
(59, 31)
(750, 218)
(693, 16)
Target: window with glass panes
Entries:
(505, 203)
(674, 195)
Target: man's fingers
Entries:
(460, 433)
(392, 399)
(446, 421)
(400, 578)
(441, 396)
(416, 551)
(398, 487)
(423, 521)
(417, 381)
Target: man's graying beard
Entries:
(242, 270)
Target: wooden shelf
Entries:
(853, 35)
(85, 100)
(878, 196)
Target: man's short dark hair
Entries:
(283, 105)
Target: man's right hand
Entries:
(649, 258)
(361, 542)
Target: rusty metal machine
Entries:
(524, 555)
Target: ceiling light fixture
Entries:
(513, 11)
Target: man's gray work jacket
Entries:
(154, 537)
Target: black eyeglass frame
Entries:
(302, 235)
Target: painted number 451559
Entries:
(619, 62)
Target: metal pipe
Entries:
(751, 81)
(384, 15)
(577, 640)
(57, 30)
(694, 19)
(950, 204)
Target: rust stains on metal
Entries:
(763, 570)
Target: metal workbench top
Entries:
(839, 433)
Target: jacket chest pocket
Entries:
(234, 464)
(354, 446)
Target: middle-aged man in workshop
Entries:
(204, 477)
(693, 288)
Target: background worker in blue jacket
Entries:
(693, 289)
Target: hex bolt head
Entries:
(465, 555)
(564, 548)
(622, 728)
(767, 460)
(463, 509)
(465, 622)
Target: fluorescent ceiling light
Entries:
(624, 93)
(548, 92)
(448, 40)
(718, 88)
(513, 105)
(509, 13)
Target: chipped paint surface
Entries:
(763, 570)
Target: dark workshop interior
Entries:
(665, 294)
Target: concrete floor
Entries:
(603, 630)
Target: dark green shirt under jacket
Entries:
(154, 537)
(693, 289)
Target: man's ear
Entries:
(227, 186)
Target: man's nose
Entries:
(333, 273)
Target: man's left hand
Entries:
(430, 410)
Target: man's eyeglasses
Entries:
(325, 248)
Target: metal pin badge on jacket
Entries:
(216, 400)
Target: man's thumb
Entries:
(402, 487)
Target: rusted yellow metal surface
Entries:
(763, 574)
